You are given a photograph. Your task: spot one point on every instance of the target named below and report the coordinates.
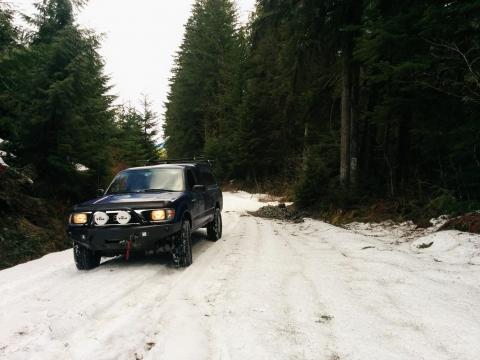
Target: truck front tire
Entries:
(182, 253)
(85, 259)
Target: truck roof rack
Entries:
(194, 160)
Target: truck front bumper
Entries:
(113, 239)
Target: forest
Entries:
(61, 133)
(338, 104)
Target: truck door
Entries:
(197, 200)
(210, 193)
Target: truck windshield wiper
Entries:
(153, 190)
(139, 191)
(118, 192)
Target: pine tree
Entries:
(290, 78)
(134, 142)
(129, 149)
(379, 96)
(201, 78)
(8, 70)
(8, 32)
(149, 128)
(67, 120)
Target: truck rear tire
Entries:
(85, 259)
(214, 228)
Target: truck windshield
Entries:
(147, 180)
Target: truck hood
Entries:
(132, 200)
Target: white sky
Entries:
(140, 40)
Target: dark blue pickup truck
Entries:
(148, 209)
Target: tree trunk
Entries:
(403, 155)
(346, 114)
(354, 119)
(305, 146)
(350, 94)
(388, 158)
(357, 9)
(368, 144)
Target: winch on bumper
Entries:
(114, 239)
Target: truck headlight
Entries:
(162, 215)
(79, 218)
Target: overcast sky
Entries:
(140, 40)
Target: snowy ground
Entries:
(267, 290)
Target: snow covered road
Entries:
(267, 290)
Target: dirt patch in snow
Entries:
(400, 232)
(267, 198)
(425, 245)
(324, 318)
(279, 212)
(469, 222)
(149, 345)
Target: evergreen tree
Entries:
(129, 149)
(203, 82)
(8, 43)
(364, 85)
(380, 96)
(67, 119)
(8, 32)
(134, 143)
(290, 86)
(149, 129)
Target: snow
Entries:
(451, 246)
(406, 230)
(267, 290)
(2, 155)
(81, 168)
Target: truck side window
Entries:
(190, 179)
(199, 176)
(207, 176)
(210, 180)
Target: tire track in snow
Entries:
(384, 277)
(390, 309)
(197, 302)
(317, 317)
